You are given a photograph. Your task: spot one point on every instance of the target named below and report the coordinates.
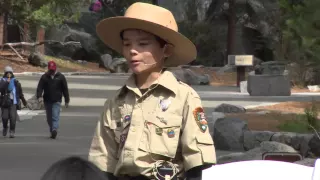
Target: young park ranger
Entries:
(155, 126)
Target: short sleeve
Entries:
(197, 144)
(103, 147)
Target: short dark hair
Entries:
(73, 168)
(161, 41)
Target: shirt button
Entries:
(133, 129)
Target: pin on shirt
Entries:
(170, 133)
(127, 118)
(162, 120)
(159, 131)
(123, 138)
(164, 104)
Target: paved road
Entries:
(32, 152)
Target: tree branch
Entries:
(39, 43)
(12, 45)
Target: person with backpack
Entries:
(11, 94)
(53, 84)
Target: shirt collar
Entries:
(166, 80)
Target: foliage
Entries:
(303, 123)
(205, 37)
(118, 7)
(300, 32)
(297, 125)
(311, 115)
(41, 12)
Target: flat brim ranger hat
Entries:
(153, 19)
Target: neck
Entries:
(145, 80)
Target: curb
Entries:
(259, 105)
(75, 74)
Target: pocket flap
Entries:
(205, 139)
(167, 121)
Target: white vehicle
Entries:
(262, 170)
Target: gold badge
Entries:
(200, 118)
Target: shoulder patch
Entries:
(200, 118)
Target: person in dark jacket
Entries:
(11, 93)
(53, 84)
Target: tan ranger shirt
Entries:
(165, 123)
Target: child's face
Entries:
(142, 51)
(9, 74)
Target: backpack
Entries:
(5, 100)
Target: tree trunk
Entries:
(231, 29)
(40, 37)
(231, 40)
(1, 29)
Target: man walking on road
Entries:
(53, 84)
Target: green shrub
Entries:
(303, 123)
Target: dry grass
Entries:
(224, 79)
(275, 119)
(264, 122)
(289, 107)
(64, 65)
(18, 65)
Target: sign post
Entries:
(241, 62)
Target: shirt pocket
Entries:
(161, 135)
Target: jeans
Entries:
(53, 114)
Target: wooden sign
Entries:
(240, 60)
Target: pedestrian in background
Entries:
(11, 94)
(53, 84)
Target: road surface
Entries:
(32, 151)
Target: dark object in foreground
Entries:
(73, 168)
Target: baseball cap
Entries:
(52, 65)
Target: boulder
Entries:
(314, 145)
(34, 104)
(215, 117)
(114, 65)
(119, 65)
(269, 85)
(37, 59)
(300, 142)
(256, 153)
(189, 77)
(106, 60)
(252, 139)
(228, 134)
(229, 108)
(307, 162)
